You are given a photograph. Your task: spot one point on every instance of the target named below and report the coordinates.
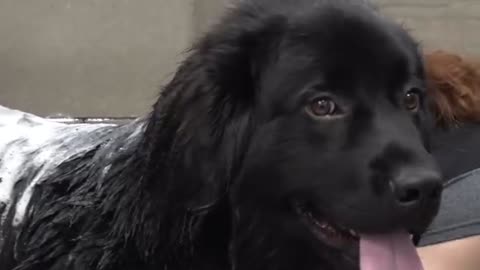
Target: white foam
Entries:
(16, 139)
(22, 136)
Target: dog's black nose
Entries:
(413, 188)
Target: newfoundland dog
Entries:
(293, 136)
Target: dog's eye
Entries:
(412, 100)
(322, 107)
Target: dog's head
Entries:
(321, 110)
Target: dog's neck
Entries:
(163, 205)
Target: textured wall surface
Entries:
(89, 57)
(109, 57)
(445, 24)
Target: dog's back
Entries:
(31, 149)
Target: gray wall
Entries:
(446, 24)
(109, 57)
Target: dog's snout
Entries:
(414, 188)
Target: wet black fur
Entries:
(228, 145)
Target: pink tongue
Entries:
(388, 252)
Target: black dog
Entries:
(294, 132)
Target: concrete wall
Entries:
(109, 57)
(89, 57)
(446, 24)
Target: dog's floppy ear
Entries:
(217, 83)
(204, 113)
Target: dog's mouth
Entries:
(393, 250)
(332, 234)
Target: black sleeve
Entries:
(459, 214)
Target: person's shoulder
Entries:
(457, 149)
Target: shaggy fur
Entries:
(454, 84)
(231, 147)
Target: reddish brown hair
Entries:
(454, 85)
